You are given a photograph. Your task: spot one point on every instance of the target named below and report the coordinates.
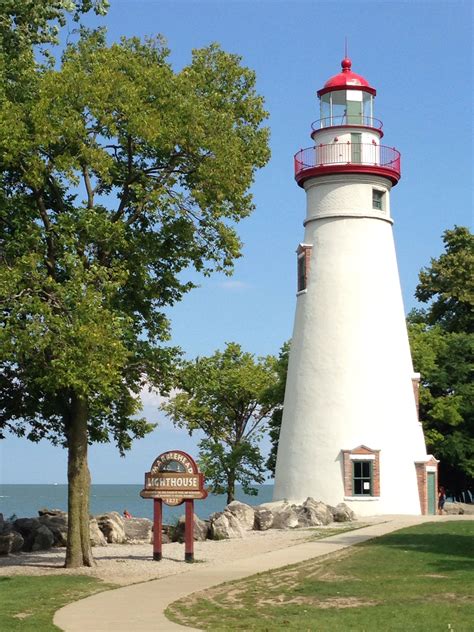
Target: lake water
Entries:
(25, 500)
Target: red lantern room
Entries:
(347, 136)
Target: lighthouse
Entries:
(350, 430)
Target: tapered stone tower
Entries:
(350, 431)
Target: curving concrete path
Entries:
(140, 607)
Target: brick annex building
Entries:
(350, 431)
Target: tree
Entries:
(277, 396)
(117, 175)
(227, 396)
(449, 284)
(442, 344)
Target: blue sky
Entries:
(418, 55)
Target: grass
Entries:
(421, 578)
(29, 603)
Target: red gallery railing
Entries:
(343, 156)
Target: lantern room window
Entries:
(346, 107)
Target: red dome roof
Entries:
(346, 80)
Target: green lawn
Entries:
(29, 603)
(421, 578)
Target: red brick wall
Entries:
(422, 480)
(361, 451)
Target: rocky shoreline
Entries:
(49, 529)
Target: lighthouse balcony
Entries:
(369, 158)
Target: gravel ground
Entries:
(131, 563)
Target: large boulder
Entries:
(263, 519)
(43, 538)
(57, 524)
(200, 529)
(138, 529)
(224, 526)
(245, 514)
(10, 542)
(112, 526)
(342, 513)
(313, 513)
(27, 527)
(96, 536)
(285, 517)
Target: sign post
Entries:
(174, 478)
(189, 532)
(157, 529)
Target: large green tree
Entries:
(227, 396)
(117, 175)
(442, 344)
(277, 395)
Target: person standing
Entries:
(441, 499)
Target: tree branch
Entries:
(89, 189)
(51, 258)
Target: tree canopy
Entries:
(277, 395)
(227, 396)
(442, 344)
(118, 174)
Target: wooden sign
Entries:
(174, 478)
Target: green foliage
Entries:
(118, 176)
(413, 579)
(442, 344)
(278, 396)
(29, 603)
(227, 396)
(449, 283)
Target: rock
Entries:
(43, 538)
(10, 542)
(263, 519)
(245, 514)
(285, 517)
(453, 508)
(27, 527)
(200, 531)
(57, 524)
(224, 526)
(111, 525)
(52, 512)
(137, 529)
(96, 536)
(342, 513)
(313, 513)
(6, 540)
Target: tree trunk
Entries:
(230, 487)
(78, 551)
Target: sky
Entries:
(418, 55)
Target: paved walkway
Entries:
(140, 607)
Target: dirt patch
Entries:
(330, 602)
(22, 615)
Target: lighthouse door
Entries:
(431, 493)
(356, 148)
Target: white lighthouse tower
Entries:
(350, 431)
